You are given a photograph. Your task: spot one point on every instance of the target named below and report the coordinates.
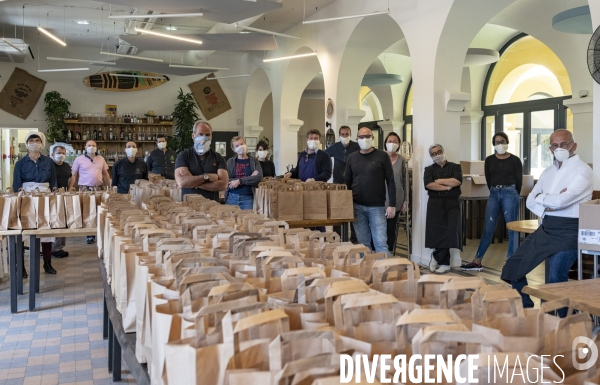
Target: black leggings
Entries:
(391, 232)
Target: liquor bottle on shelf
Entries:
(122, 136)
(141, 134)
(100, 133)
(129, 134)
(95, 134)
(135, 134)
(78, 132)
(85, 136)
(110, 133)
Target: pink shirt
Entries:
(90, 172)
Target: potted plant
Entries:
(185, 116)
(56, 109)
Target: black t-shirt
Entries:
(63, 173)
(208, 163)
(450, 170)
(125, 173)
(268, 168)
(504, 171)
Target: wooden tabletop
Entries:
(318, 223)
(527, 227)
(61, 232)
(6, 233)
(585, 294)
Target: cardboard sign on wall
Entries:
(21, 93)
(210, 97)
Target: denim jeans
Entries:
(502, 200)
(370, 223)
(558, 271)
(244, 201)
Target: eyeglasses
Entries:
(563, 145)
(500, 142)
(364, 136)
(440, 152)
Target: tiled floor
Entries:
(61, 342)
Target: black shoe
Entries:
(25, 275)
(91, 240)
(60, 254)
(48, 268)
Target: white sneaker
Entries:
(433, 265)
(443, 269)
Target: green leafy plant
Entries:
(56, 109)
(185, 116)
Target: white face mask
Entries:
(501, 148)
(162, 145)
(391, 147)
(365, 144)
(561, 154)
(439, 159)
(313, 144)
(59, 158)
(201, 144)
(91, 150)
(261, 154)
(34, 147)
(131, 151)
(241, 150)
(344, 141)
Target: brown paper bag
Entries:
(43, 212)
(314, 199)
(28, 212)
(5, 211)
(73, 211)
(289, 203)
(339, 202)
(58, 219)
(88, 210)
(14, 218)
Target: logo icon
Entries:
(584, 349)
(206, 90)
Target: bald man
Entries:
(555, 198)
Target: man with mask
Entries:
(313, 165)
(555, 198)
(442, 181)
(127, 170)
(368, 172)
(58, 151)
(161, 161)
(90, 170)
(199, 169)
(339, 152)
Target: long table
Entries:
(324, 222)
(15, 246)
(34, 255)
(580, 292)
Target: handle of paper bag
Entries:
(512, 296)
(275, 348)
(294, 367)
(334, 186)
(556, 304)
(456, 336)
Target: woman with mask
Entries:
(313, 165)
(392, 146)
(442, 181)
(504, 176)
(245, 173)
(262, 153)
(36, 172)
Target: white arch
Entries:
(258, 89)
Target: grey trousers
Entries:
(58, 244)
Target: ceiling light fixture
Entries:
(81, 60)
(196, 67)
(345, 17)
(168, 36)
(171, 28)
(131, 57)
(64, 69)
(289, 57)
(84, 22)
(267, 32)
(14, 46)
(136, 76)
(228, 77)
(156, 15)
(52, 36)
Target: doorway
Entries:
(221, 143)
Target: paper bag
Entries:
(43, 212)
(28, 212)
(314, 197)
(88, 210)
(339, 202)
(289, 203)
(73, 211)
(14, 218)
(58, 219)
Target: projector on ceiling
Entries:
(14, 51)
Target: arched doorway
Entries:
(523, 96)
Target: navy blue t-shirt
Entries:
(242, 170)
(306, 167)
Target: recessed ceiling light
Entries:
(83, 22)
(171, 28)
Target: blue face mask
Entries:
(201, 144)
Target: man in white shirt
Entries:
(555, 198)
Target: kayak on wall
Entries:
(141, 81)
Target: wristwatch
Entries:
(206, 177)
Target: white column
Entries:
(583, 121)
(253, 131)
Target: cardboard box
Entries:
(474, 186)
(527, 185)
(589, 225)
(472, 167)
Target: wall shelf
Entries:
(118, 124)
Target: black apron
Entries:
(444, 226)
(556, 234)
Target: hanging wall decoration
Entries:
(124, 81)
(210, 97)
(21, 93)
